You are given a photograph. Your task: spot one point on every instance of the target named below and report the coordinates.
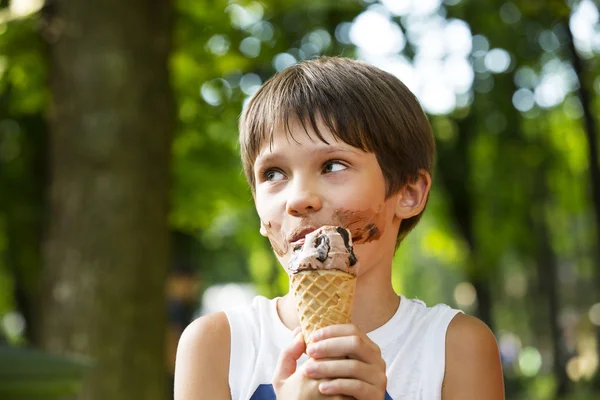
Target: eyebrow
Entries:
(327, 149)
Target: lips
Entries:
(297, 236)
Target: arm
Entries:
(473, 367)
(202, 363)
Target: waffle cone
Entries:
(323, 298)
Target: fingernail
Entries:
(316, 336)
(313, 350)
(324, 387)
(310, 368)
(299, 337)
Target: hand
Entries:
(291, 383)
(349, 361)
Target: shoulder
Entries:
(209, 329)
(469, 337)
(202, 363)
(473, 367)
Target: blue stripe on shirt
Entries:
(266, 392)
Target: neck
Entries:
(375, 302)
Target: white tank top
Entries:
(412, 344)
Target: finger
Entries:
(337, 330)
(351, 387)
(344, 368)
(297, 330)
(358, 347)
(341, 330)
(287, 361)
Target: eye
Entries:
(273, 175)
(333, 166)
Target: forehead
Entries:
(301, 136)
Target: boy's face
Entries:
(303, 183)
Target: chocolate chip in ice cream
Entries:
(322, 247)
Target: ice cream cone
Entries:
(323, 298)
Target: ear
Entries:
(263, 229)
(413, 196)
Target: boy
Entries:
(338, 142)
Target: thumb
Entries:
(286, 363)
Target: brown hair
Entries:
(360, 104)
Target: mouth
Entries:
(297, 236)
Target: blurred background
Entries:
(124, 212)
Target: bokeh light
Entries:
(497, 60)
(22, 8)
(218, 45)
(374, 32)
(510, 13)
(465, 295)
(250, 47)
(594, 314)
(583, 26)
(510, 347)
(244, 17)
(13, 324)
(523, 100)
(283, 60)
(525, 77)
(250, 83)
(530, 361)
(216, 91)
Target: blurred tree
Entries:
(23, 147)
(530, 32)
(521, 230)
(584, 94)
(106, 249)
(24, 178)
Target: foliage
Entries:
(27, 374)
(511, 188)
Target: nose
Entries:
(303, 199)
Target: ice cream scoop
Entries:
(329, 247)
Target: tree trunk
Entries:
(453, 168)
(106, 248)
(548, 276)
(548, 283)
(591, 133)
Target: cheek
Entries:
(357, 197)
(263, 206)
(365, 193)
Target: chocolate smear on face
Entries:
(277, 239)
(363, 225)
